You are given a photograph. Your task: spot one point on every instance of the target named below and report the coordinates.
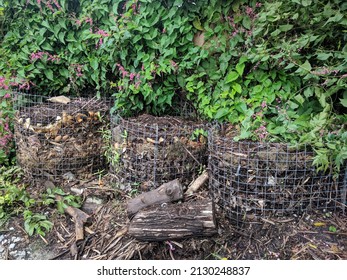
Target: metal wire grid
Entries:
(60, 141)
(258, 180)
(149, 155)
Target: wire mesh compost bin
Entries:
(149, 151)
(59, 138)
(260, 180)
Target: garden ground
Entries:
(314, 235)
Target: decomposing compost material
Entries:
(252, 180)
(59, 138)
(149, 151)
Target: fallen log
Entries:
(174, 221)
(168, 192)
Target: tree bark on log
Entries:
(174, 221)
(168, 192)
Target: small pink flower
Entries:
(132, 76)
(89, 20)
(57, 4)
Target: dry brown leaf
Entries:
(199, 39)
(60, 99)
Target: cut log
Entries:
(168, 192)
(194, 186)
(174, 221)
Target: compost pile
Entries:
(251, 180)
(149, 151)
(57, 140)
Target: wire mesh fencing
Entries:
(250, 181)
(60, 138)
(149, 151)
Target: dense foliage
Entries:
(276, 70)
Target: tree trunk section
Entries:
(168, 192)
(174, 221)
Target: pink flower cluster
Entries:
(5, 134)
(3, 83)
(237, 28)
(26, 85)
(133, 76)
(39, 55)
(174, 65)
(261, 131)
(87, 20)
(6, 84)
(103, 34)
(49, 5)
(78, 69)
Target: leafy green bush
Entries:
(276, 70)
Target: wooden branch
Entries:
(174, 221)
(79, 217)
(168, 192)
(194, 186)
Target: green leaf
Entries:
(222, 112)
(308, 92)
(61, 37)
(336, 18)
(49, 74)
(240, 68)
(286, 27)
(232, 76)
(197, 24)
(94, 63)
(64, 72)
(306, 3)
(237, 87)
(343, 102)
(306, 66)
(278, 130)
(300, 99)
(246, 22)
(332, 229)
(181, 81)
(45, 23)
(324, 56)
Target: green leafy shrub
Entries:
(276, 70)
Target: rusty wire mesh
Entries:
(60, 141)
(252, 181)
(149, 151)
